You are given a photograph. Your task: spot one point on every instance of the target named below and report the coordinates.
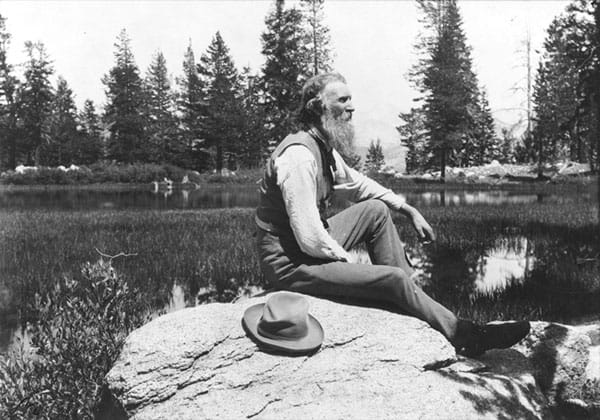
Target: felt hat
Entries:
(283, 324)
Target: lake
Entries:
(230, 196)
(499, 254)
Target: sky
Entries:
(373, 43)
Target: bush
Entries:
(99, 172)
(80, 328)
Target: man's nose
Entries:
(349, 107)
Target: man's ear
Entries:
(315, 105)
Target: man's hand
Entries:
(423, 228)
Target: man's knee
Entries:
(376, 209)
(399, 282)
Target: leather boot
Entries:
(473, 340)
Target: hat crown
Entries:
(284, 317)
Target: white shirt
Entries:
(296, 171)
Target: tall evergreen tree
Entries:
(595, 83)
(8, 105)
(445, 78)
(284, 71)
(317, 37)
(374, 161)
(488, 145)
(161, 125)
(63, 135)
(90, 148)
(508, 148)
(190, 150)
(543, 144)
(35, 97)
(563, 91)
(223, 122)
(123, 111)
(253, 143)
(413, 136)
(452, 89)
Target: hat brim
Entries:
(307, 344)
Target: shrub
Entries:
(80, 328)
(99, 172)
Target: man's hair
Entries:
(311, 106)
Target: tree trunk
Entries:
(596, 95)
(443, 166)
(12, 151)
(219, 162)
(540, 162)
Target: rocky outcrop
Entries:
(198, 363)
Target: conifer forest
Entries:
(215, 115)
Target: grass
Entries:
(214, 250)
(196, 249)
(211, 255)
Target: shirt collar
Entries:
(320, 136)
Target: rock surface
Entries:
(197, 363)
(560, 356)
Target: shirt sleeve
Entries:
(296, 170)
(354, 186)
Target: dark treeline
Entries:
(213, 117)
(453, 125)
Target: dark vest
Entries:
(271, 214)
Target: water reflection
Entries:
(227, 196)
(507, 263)
(515, 275)
(495, 197)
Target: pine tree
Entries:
(413, 136)
(374, 160)
(284, 71)
(594, 77)
(253, 144)
(487, 144)
(90, 148)
(190, 151)
(317, 41)
(508, 148)
(563, 91)
(63, 135)
(543, 143)
(9, 86)
(123, 111)
(448, 84)
(161, 124)
(35, 101)
(223, 122)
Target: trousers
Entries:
(387, 280)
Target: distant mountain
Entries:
(372, 129)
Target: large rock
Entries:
(560, 355)
(197, 363)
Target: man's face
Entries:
(337, 99)
(337, 117)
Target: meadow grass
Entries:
(214, 249)
(211, 255)
(193, 248)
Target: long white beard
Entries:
(340, 132)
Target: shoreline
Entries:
(410, 181)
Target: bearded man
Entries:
(303, 251)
